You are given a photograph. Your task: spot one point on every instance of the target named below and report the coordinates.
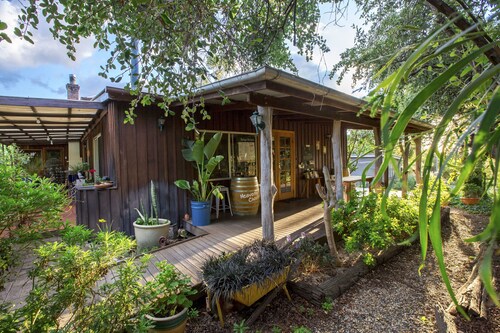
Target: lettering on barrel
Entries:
(250, 196)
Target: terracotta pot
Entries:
(173, 324)
(470, 201)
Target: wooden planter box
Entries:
(255, 291)
(252, 293)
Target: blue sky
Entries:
(43, 69)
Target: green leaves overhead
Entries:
(183, 44)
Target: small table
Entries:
(349, 180)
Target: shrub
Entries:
(29, 205)
(314, 255)
(364, 227)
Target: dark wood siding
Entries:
(136, 154)
(133, 156)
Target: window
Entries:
(96, 153)
(240, 155)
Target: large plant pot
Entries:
(148, 236)
(200, 213)
(470, 201)
(174, 324)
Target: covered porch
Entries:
(230, 233)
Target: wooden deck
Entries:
(232, 232)
(226, 235)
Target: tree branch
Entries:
(481, 40)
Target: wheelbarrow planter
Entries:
(255, 291)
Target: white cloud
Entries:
(21, 54)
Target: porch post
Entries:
(406, 153)
(378, 152)
(337, 159)
(267, 188)
(418, 161)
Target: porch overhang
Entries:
(293, 97)
(25, 120)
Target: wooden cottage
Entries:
(305, 127)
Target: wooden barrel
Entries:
(245, 195)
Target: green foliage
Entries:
(364, 227)
(168, 293)
(475, 185)
(276, 329)
(178, 52)
(240, 327)
(327, 305)
(6, 258)
(301, 329)
(69, 276)
(369, 260)
(152, 218)
(472, 109)
(193, 313)
(29, 204)
(227, 274)
(80, 166)
(76, 235)
(202, 156)
(314, 255)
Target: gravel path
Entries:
(392, 298)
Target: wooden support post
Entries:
(337, 159)
(406, 153)
(378, 152)
(418, 161)
(343, 147)
(267, 188)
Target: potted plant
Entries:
(474, 186)
(149, 228)
(471, 194)
(167, 299)
(202, 155)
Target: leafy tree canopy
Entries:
(182, 44)
(394, 29)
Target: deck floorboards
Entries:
(231, 233)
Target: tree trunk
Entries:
(337, 160)
(329, 202)
(472, 296)
(267, 188)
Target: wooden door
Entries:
(284, 164)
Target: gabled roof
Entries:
(25, 120)
(291, 97)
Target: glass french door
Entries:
(284, 164)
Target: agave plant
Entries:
(202, 155)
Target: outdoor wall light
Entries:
(161, 123)
(257, 121)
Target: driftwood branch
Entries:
(329, 200)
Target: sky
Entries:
(43, 69)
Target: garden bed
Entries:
(317, 289)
